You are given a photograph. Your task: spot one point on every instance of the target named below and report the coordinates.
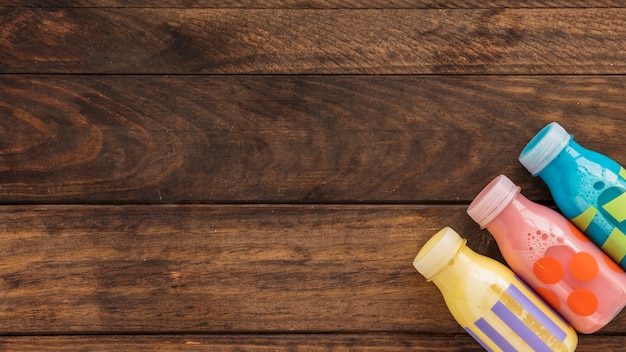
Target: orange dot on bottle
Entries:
(584, 266)
(550, 297)
(582, 302)
(548, 270)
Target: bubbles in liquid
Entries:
(537, 242)
(589, 190)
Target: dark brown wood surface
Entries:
(387, 342)
(258, 175)
(309, 41)
(284, 139)
(329, 4)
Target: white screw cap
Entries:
(544, 147)
(492, 200)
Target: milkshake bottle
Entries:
(552, 256)
(589, 188)
(486, 298)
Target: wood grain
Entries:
(323, 4)
(275, 342)
(312, 41)
(112, 111)
(285, 139)
(150, 269)
(249, 342)
(228, 269)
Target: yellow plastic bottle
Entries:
(489, 301)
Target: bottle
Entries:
(486, 298)
(552, 256)
(588, 187)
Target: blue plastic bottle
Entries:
(588, 187)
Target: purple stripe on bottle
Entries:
(494, 335)
(537, 312)
(481, 342)
(518, 326)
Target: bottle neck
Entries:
(510, 217)
(554, 173)
(459, 268)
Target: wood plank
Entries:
(388, 342)
(300, 41)
(234, 342)
(150, 269)
(330, 4)
(284, 139)
(212, 269)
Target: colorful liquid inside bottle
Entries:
(589, 188)
(489, 301)
(552, 256)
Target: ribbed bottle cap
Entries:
(438, 252)
(544, 147)
(492, 200)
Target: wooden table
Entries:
(258, 175)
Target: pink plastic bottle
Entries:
(552, 256)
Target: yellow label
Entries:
(583, 220)
(617, 207)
